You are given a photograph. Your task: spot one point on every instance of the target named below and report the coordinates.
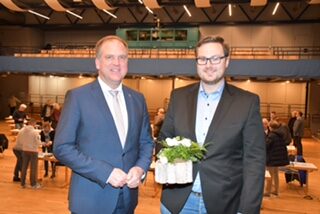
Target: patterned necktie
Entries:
(118, 118)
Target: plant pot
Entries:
(179, 172)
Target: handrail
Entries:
(277, 52)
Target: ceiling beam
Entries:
(12, 6)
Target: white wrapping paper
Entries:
(179, 172)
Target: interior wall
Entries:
(75, 37)
(266, 35)
(314, 108)
(281, 97)
(16, 85)
(21, 37)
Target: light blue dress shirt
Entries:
(206, 107)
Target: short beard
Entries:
(213, 82)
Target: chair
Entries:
(292, 174)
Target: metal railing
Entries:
(276, 52)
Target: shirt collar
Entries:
(106, 88)
(217, 92)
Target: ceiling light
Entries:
(150, 11)
(38, 14)
(140, 1)
(110, 14)
(275, 8)
(186, 9)
(230, 10)
(74, 14)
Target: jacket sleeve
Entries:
(254, 159)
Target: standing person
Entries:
(47, 139)
(266, 128)
(19, 116)
(17, 150)
(230, 178)
(277, 155)
(273, 115)
(47, 110)
(55, 115)
(158, 121)
(291, 121)
(298, 131)
(30, 139)
(12, 103)
(109, 151)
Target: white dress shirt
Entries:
(106, 92)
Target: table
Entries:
(308, 167)
(50, 157)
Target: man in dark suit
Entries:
(298, 131)
(230, 178)
(108, 147)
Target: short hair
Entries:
(273, 124)
(46, 124)
(265, 121)
(23, 106)
(105, 39)
(32, 121)
(213, 39)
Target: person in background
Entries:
(273, 115)
(47, 111)
(12, 103)
(291, 121)
(104, 136)
(284, 130)
(17, 150)
(298, 131)
(265, 124)
(19, 116)
(230, 178)
(277, 155)
(47, 139)
(30, 140)
(55, 115)
(157, 122)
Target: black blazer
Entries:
(232, 172)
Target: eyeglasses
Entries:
(213, 60)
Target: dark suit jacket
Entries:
(87, 141)
(232, 172)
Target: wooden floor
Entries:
(52, 197)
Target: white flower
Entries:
(163, 159)
(185, 142)
(172, 142)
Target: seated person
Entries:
(19, 116)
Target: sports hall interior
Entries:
(275, 56)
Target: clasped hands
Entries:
(118, 178)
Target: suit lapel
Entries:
(130, 110)
(103, 106)
(222, 108)
(192, 100)
(100, 100)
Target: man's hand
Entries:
(134, 177)
(118, 178)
